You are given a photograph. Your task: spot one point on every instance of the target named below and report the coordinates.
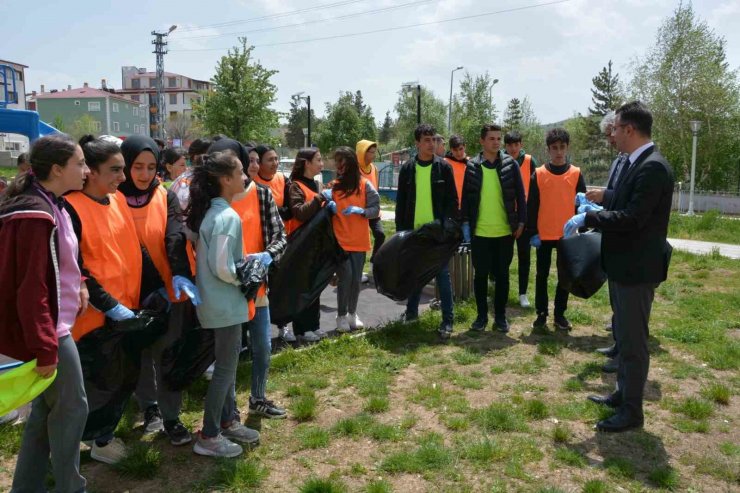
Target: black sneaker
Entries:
(179, 435)
(152, 420)
(445, 330)
(562, 323)
(266, 409)
(502, 325)
(540, 322)
(479, 325)
(408, 318)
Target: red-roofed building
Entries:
(179, 91)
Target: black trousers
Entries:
(491, 258)
(633, 303)
(308, 319)
(523, 255)
(544, 260)
(376, 228)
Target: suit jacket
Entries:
(634, 224)
(609, 192)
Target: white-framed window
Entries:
(116, 127)
(77, 102)
(136, 128)
(115, 108)
(98, 126)
(136, 111)
(93, 106)
(173, 98)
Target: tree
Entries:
(344, 125)
(513, 115)
(84, 125)
(297, 121)
(472, 107)
(59, 123)
(239, 104)
(385, 134)
(606, 94)
(433, 111)
(533, 135)
(183, 128)
(686, 77)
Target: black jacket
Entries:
(634, 225)
(444, 194)
(512, 188)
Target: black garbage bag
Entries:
(251, 274)
(305, 268)
(111, 359)
(406, 262)
(190, 355)
(579, 264)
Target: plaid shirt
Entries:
(273, 230)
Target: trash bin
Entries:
(461, 274)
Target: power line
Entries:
(345, 16)
(388, 29)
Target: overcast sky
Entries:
(546, 50)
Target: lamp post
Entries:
(490, 96)
(306, 131)
(695, 127)
(417, 86)
(449, 111)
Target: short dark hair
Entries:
(173, 154)
(22, 158)
(557, 134)
(490, 127)
(512, 137)
(97, 151)
(456, 141)
(160, 142)
(636, 114)
(199, 146)
(424, 129)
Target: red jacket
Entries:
(29, 279)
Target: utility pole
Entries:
(160, 49)
(449, 111)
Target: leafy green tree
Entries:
(84, 125)
(239, 105)
(533, 135)
(472, 108)
(684, 77)
(433, 111)
(297, 121)
(58, 123)
(347, 121)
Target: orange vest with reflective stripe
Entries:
(526, 170)
(276, 186)
(248, 209)
(557, 201)
(372, 175)
(458, 172)
(110, 252)
(293, 224)
(352, 230)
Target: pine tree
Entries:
(386, 130)
(513, 115)
(605, 94)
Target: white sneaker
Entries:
(209, 371)
(364, 279)
(524, 301)
(321, 332)
(286, 334)
(239, 433)
(343, 324)
(354, 322)
(218, 446)
(112, 453)
(311, 336)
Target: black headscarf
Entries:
(131, 148)
(241, 151)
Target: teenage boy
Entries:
(552, 196)
(457, 158)
(494, 211)
(527, 164)
(426, 192)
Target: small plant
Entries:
(239, 475)
(312, 437)
(729, 449)
(570, 457)
(664, 477)
(536, 409)
(499, 417)
(595, 486)
(718, 393)
(619, 467)
(304, 405)
(379, 486)
(376, 404)
(573, 384)
(549, 347)
(319, 485)
(560, 434)
(141, 462)
(456, 423)
(467, 357)
(431, 455)
(694, 408)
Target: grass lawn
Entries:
(8, 173)
(709, 226)
(399, 411)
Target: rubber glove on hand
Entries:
(535, 241)
(589, 207)
(332, 206)
(119, 312)
(581, 199)
(326, 194)
(180, 283)
(353, 209)
(264, 257)
(466, 232)
(573, 224)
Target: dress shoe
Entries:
(610, 366)
(607, 400)
(501, 324)
(619, 423)
(609, 352)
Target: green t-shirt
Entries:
(423, 212)
(492, 221)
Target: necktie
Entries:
(615, 173)
(622, 172)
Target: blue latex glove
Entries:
(119, 312)
(581, 199)
(353, 209)
(573, 224)
(589, 207)
(326, 194)
(535, 241)
(466, 232)
(332, 206)
(180, 283)
(264, 257)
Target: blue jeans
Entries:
(261, 345)
(445, 293)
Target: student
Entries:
(552, 196)
(180, 186)
(175, 162)
(494, 215)
(157, 217)
(42, 294)
(426, 192)
(366, 152)
(110, 256)
(527, 163)
(305, 201)
(457, 158)
(223, 307)
(269, 176)
(263, 236)
(357, 201)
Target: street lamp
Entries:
(449, 111)
(417, 86)
(490, 96)
(695, 127)
(306, 131)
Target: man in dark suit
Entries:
(634, 254)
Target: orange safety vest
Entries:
(352, 230)
(293, 224)
(458, 172)
(526, 170)
(372, 175)
(151, 226)
(557, 200)
(110, 252)
(248, 209)
(190, 250)
(276, 186)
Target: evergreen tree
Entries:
(386, 130)
(513, 115)
(605, 94)
(472, 108)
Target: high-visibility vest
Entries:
(293, 223)
(351, 230)
(372, 175)
(110, 252)
(458, 172)
(276, 186)
(557, 200)
(248, 209)
(526, 170)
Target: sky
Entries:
(546, 50)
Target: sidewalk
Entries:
(706, 247)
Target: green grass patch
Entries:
(664, 477)
(10, 440)
(376, 405)
(561, 433)
(312, 437)
(431, 455)
(729, 449)
(570, 457)
(500, 417)
(455, 423)
(304, 405)
(323, 485)
(595, 486)
(619, 467)
(532, 367)
(549, 347)
(467, 356)
(536, 409)
(710, 226)
(715, 466)
(379, 486)
(694, 408)
(141, 462)
(239, 474)
(691, 426)
(717, 392)
(364, 425)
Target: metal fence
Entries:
(706, 200)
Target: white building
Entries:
(16, 92)
(180, 91)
